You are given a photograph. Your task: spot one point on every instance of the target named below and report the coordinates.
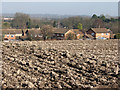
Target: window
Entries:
(57, 34)
(12, 35)
(31, 34)
(92, 33)
(102, 34)
(106, 33)
(39, 35)
(62, 35)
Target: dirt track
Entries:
(78, 63)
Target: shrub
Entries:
(71, 36)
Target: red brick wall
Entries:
(10, 37)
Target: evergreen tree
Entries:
(54, 24)
(94, 16)
(80, 26)
(28, 24)
(37, 26)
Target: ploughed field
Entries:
(61, 64)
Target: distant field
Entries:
(67, 63)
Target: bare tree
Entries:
(71, 36)
(98, 23)
(46, 31)
(21, 21)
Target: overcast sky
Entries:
(62, 8)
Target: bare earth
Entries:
(60, 64)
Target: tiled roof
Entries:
(59, 30)
(89, 36)
(100, 30)
(11, 31)
(34, 32)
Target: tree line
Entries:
(24, 21)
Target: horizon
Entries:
(62, 8)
